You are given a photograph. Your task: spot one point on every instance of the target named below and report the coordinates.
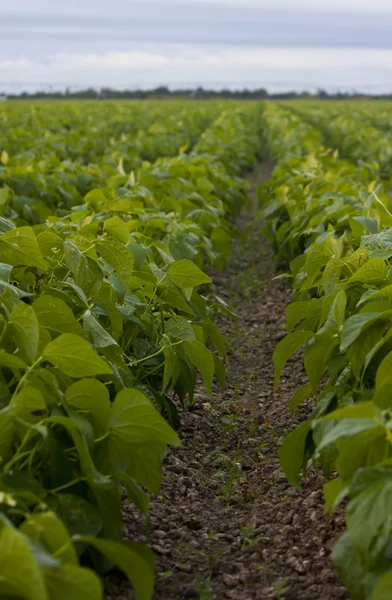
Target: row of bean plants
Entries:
(103, 324)
(333, 224)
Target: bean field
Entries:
(195, 350)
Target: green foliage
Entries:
(105, 314)
(332, 221)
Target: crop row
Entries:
(102, 326)
(354, 135)
(333, 224)
(55, 157)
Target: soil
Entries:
(227, 524)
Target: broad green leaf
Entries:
(19, 246)
(47, 529)
(365, 449)
(302, 393)
(286, 349)
(336, 314)
(334, 492)
(134, 493)
(370, 507)
(331, 275)
(145, 465)
(374, 271)
(101, 338)
(356, 324)
(185, 274)
(73, 582)
(135, 560)
(49, 242)
(134, 419)
(295, 312)
(383, 587)
(75, 357)
(11, 361)
(56, 316)
(202, 359)
(291, 453)
(7, 436)
(362, 410)
(117, 228)
(79, 516)
(88, 468)
(316, 356)
(25, 326)
(179, 328)
(346, 428)
(5, 225)
(87, 273)
(29, 404)
(364, 348)
(120, 258)
(91, 398)
(20, 575)
(384, 371)
(348, 563)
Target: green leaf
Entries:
(203, 360)
(365, 449)
(362, 410)
(134, 493)
(117, 228)
(349, 566)
(11, 361)
(48, 242)
(356, 324)
(47, 529)
(134, 419)
(346, 428)
(90, 398)
(25, 326)
(135, 560)
(75, 357)
(56, 316)
(291, 453)
(286, 349)
(20, 574)
(79, 516)
(101, 338)
(88, 468)
(145, 465)
(384, 371)
(120, 258)
(302, 393)
(73, 582)
(382, 589)
(370, 508)
(334, 491)
(5, 225)
(19, 246)
(295, 312)
(27, 402)
(374, 271)
(185, 274)
(316, 356)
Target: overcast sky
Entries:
(278, 44)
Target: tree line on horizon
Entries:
(198, 93)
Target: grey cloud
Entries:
(192, 23)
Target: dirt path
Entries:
(227, 524)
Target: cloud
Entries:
(182, 57)
(18, 63)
